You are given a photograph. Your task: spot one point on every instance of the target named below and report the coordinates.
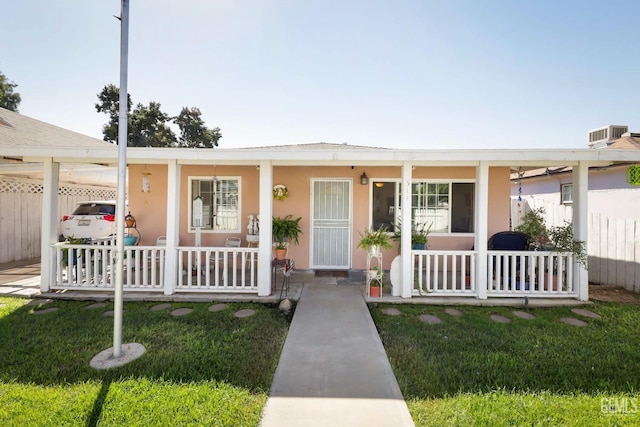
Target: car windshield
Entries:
(95, 209)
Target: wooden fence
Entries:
(614, 252)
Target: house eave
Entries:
(457, 157)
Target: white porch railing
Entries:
(200, 269)
(530, 273)
(444, 273)
(92, 267)
(509, 274)
(224, 269)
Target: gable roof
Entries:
(19, 130)
(319, 146)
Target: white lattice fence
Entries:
(21, 214)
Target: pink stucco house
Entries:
(464, 194)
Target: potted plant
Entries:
(375, 277)
(419, 235)
(374, 240)
(129, 221)
(75, 254)
(375, 289)
(533, 224)
(554, 239)
(284, 230)
(561, 240)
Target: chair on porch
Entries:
(231, 242)
(508, 241)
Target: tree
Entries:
(149, 125)
(110, 103)
(193, 132)
(8, 98)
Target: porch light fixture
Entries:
(364, 179)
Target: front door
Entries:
(331, 223)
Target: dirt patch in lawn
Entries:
(613, 294)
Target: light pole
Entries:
(119, 355)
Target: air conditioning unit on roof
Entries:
(601, 137)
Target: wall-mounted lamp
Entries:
(364, 179)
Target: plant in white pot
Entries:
(284, 230)
(374, 240)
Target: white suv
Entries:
(90, 220)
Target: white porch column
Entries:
(405, 233)
(581, 224)
(173, 227)
(481, 224)
(49, 225)
(264, 247)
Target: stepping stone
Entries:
(39, 302)
(159, 307)
(453, 312)
(500, 319)
(218, 307)
(391, 311)
(244, 313)
(573, 321)
(46, 310)
(108, 313)
(586, 313)
(96, 305)
(430, 319)
(523, 315)
(2, 305)
(181, 311)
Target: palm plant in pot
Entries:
(283, 231)
(374, 240)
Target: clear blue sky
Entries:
(405, 74)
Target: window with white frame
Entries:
(566, 193)
(446, 206)
(220, 203)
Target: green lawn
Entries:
(470, 370)
(205, 368)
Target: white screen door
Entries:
(331, 223)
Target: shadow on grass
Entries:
(98, 404)
(472, 353)
(56, 347)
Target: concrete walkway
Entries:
(333, 370)
(20, 279)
